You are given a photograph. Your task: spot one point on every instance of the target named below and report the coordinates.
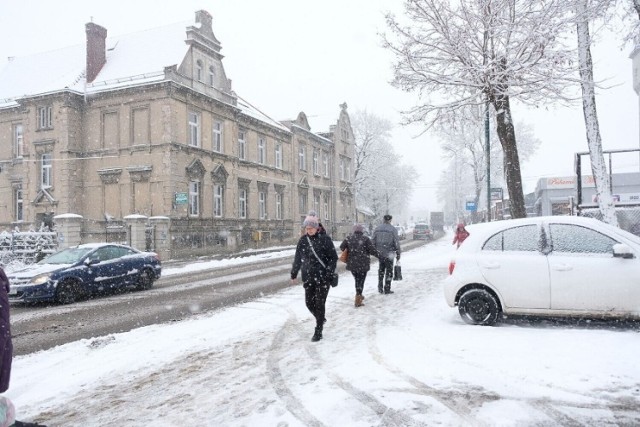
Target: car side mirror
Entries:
(91, 261)
(620, 250)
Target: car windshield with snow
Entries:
(546, 266)
(82, 271)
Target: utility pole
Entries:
(487, 149)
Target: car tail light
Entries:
(452, 266)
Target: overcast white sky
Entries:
(292, 56)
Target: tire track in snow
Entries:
(276, 352)
(388, 416)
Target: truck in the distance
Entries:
(437, 222)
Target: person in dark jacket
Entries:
(360, 248)
(385, 239)
(6, 356)
(461, 233)
(316, 257)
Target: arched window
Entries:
(199, 70)
(212, 75)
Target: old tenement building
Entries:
(149, 124)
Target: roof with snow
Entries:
(131, 60)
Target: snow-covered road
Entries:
(402, 359)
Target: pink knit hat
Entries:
(311, 221)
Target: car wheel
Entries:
(67, 292)
(478, 307)
(145, 280)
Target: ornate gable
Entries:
(303, 182)
(195, 170)
(219, 173)
(302, 121)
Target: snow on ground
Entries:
(403, 359)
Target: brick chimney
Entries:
(96, 49)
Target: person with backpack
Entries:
(316, 257)
(359, 247)
(385, 239)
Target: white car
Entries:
(545, 266)
(401, 233)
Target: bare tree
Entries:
(464, 145)
(458, 53)
(594, 140)
(382, 182)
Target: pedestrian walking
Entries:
(316, 257)
(385, 240)
(7, 410)
(461, 233)
(359, 247)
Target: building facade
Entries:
(149, 124)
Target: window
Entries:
(218, 199)
(525, 238)
(46, 180)
(261, 151)
(342, 169)
(140, 126)
(194, 198)
(316, 163)
(212, 76)
(18, 204)
(302, 203)
(345, 135)
(316, 202)
(242, 203)
(199, 70)
(279, 156)
(278, 205)
(242, 145)
(217, 137)
(194, 129)
(348, 170)
(302, 152)
(576, 239)
(45, 118)
(18, 141)
(262, 204)
(325, 206)
(325, 164)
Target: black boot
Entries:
(317, 336)
(380, 287)
(387, 288)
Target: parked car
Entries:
(422, 231)
(401, 233)
(545, 266)
(83, 270)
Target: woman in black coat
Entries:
(360, 247)
(316, 256)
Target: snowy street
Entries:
(402, 359)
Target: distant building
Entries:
(557, 195)
(149, 124)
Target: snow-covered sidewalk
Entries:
(402, 359)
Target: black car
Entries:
(83, 270)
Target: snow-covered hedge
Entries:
(26, 247)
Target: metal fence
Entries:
(27, 246)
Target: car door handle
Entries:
(491, 265)
(562, 267)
